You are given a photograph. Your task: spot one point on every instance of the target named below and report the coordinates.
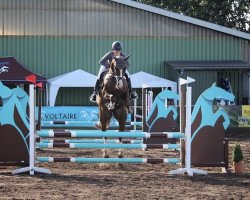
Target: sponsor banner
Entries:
(243, 122)
(71, 113)
(246, 111)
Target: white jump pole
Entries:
(135, 113)
(150, 101)
(31, 168)
(146, 104)
(188, 169)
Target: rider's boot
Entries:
(132, 94)
(96, 90)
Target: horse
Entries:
(113, 99)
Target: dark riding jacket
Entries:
(106, 60)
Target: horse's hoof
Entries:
(119, 165)
(120, 156)
(104, 165)
(106, 156)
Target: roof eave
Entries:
(184, 18)
(208, 68)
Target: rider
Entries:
(105, 62)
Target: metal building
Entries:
(54, 37)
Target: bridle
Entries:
(119, 63)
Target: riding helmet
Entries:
(117, 46)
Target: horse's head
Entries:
(117, 69)
(118, 65)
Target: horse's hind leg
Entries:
(105, 152)
(105, 119)
(105, 155)
(122, 121)
(120, 153)
(121, 129)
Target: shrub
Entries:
(237, 153)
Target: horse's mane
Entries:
(112, 66)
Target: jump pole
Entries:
(100, 141)
(188, 169)
(31, 168)
(135, 113)
(107, 134)
(111, 160)
(108, 146)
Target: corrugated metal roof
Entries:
(211, 65)
(184, 18)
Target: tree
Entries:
(229, 13)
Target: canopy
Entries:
(11, 71)
(78, 78)
(144, 80)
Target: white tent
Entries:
(144, 80)
(78, 78)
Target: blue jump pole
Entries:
(108, 146)
(111, 160)
(124, 141)
(107, 134)
(68, 122)
(83, 124)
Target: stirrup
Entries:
(133, 95)
(92, 98)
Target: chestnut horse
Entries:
(113, 98)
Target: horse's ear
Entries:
(127, 57)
